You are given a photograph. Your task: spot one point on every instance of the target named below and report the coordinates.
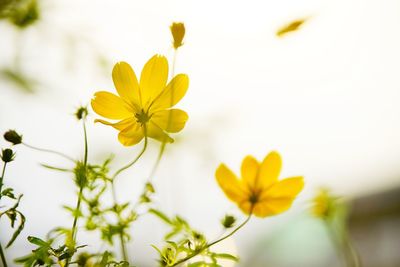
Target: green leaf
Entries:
(18, 231)
(225, 256)
(8, 192)
(54, 168)
(38, 241)
(161, 215)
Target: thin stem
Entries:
(3, 257)
(114, 194)
(121, 237)
(2, 177)
(74, 231)
(343, 245)
(49, 151)
(134, 161)
(197, 252)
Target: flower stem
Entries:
(2, 177)
(114, 194)
(49, 151)
(3, 257)
(197, 252)
(74, 230)
(121, 236)
(343, 245)
(132, 162)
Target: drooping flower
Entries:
(259, 191)
(143, 108)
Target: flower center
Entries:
(142, 117)
(253, 198)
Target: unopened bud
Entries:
(178, 33)
(228, 221)
(13, 137)
(7, 155)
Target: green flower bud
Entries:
(81, 113)
(13, 137)
(228, 221)
(7, 155)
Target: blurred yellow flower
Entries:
(324, 204)
(178, 32)
(258, 191)
(291, 27)
(143, 108)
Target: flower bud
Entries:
(178, 32)
(81, 113)
(13, 137)
(228, 221)
(7, 155)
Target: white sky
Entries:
(326, 97)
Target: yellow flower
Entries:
(143, 108)
(325, 204)
(178, 32)
(258, 191)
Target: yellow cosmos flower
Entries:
(258, 191)
(143, 108)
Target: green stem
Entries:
(2, 177)
(134, 161)
(121, 236)
(343, 245)
(74, 231)
(114, 194)
(197, 252)
(49, 151)
(3, 257)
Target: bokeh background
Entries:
(326, 97)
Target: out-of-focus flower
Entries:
(291, 27)
(178, 33)
(324, 204)
(13, 137)
(259, 191)
(143, 108)
(21, 13)
(7, 155)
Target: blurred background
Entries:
(325, 96)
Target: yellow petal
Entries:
(131, 135)
(110, 106)
(171, 121)
(272, 206)
(270, 169)
(230, 184)
(246, 207)
(249, 171)
(153, 79)
(126, 83)
(121, 125)
(154, 131)
(286, 188)
(172, 94)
